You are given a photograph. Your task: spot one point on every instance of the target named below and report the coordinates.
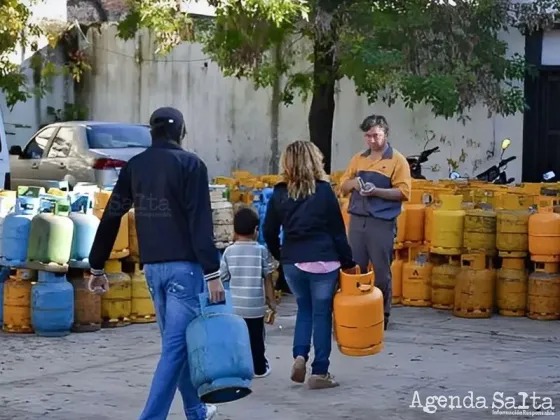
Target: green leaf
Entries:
(446, 55)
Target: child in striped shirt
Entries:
(246, 265)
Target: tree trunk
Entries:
(321, 113)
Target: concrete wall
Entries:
(230, 124)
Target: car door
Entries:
(26, 169)
(63, 161)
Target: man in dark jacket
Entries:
(168, 187)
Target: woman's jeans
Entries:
(314, 293)
(174, 287)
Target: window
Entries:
(62, 143)
(36, 147)
(117, 136)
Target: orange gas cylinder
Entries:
(544, 231)
(87, 305)
(120, 248)
(467, 191)
(358, 314)
(512, 226)
(488, 195)
(414, 223)
(511, 287)
(532, 187)
(447, 226)
(235, 195)
(421, 184)
(417, 278)
(17, 302)
(444, 277)
(432, 200)
(543, 295)
(516, 199)
(474, 289)
(142, 306)
(133, 237)
(396, 275)
(479, 231)
(240, 175)
(116, 304)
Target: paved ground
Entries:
(106, 375)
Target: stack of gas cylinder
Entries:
(411, 254)
(543, 294)
(466, 248)
(37, 239)
(46, 241)
(463, 246)
(128, 299)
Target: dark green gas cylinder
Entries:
(50, 237)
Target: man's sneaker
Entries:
(386, 321)
(266, 372)
(322, 382)
(299, 370)
(211, 411)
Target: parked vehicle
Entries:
(496, 174)
(77, 151)
(415, 162)
(4, 157)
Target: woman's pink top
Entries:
(319, 267)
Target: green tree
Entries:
(14, 30)
(442, 53)
(19, 32)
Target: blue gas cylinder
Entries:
(219, 351)
(4, 275)
(85, 227)
(52, 305)
(15, 235)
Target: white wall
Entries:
(229, 123)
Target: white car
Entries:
(77, 151)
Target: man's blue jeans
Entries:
(314, 293)
(175, 287)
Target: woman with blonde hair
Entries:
(314, 248)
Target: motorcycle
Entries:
(496, 174)
(415, 162)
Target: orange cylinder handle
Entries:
(364, 282)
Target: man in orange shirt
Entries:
(379, 181)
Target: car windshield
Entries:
(117, 136)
